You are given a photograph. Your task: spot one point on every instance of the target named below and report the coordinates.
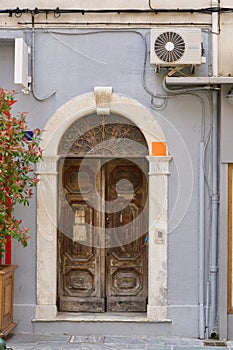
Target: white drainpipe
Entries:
(213, 267)
(214, 40)
(201, 240)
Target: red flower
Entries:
(7, 113)
(10, 103)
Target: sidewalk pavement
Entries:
(69, 342)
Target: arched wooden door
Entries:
(102, 233)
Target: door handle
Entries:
(107, 220)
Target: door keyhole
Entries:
(107, 220)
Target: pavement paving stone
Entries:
(101, 347)
(114, 347)
(197, 347)
(124, 340)
(54, 345)
(86, 339)
(215, 348)
(19, 343)
(23, 348)
(70, 342)
(50, 343)
(37, 337)
(181, 341)
(159, 347)
(154, 340)
(66, 347)
(179, 347)
(51, 347)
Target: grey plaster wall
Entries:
(226, 127)
(73, 65)
(223, 255)
(226, 320)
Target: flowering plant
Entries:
(18, 153)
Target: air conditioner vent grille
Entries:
(169, 47)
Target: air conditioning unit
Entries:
(171, 47)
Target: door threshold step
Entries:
(100, 317)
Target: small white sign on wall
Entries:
(21, 69)
(159, 236)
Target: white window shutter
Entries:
(21, 63)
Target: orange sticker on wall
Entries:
(159, 149)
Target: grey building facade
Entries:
(91, 67)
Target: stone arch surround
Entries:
(74, 109)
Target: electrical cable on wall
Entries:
(54, 33)
(41, 99)
(58, 11)
(206, 10)
(154, 96)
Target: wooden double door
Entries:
(102, 235)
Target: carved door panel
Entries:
(79, 277)
(126, 258)
(102, 256)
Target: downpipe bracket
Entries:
(215, 198)
(213, 269)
